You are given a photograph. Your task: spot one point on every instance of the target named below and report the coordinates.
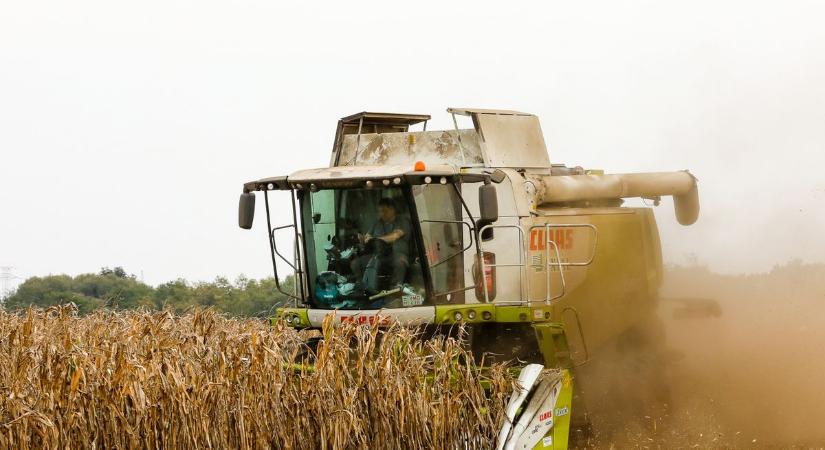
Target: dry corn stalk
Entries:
(201, 380)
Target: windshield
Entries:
(362, 251)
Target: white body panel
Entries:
(405, 316)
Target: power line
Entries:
(8, 281)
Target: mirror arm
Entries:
(272, 249)
(464, 204)
(299, 267)
(476, 234)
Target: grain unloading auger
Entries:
(540, 262)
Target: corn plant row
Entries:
(157, 380)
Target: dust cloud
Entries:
(748, 374)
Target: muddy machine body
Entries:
(541, 262)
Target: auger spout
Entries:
(574, 188)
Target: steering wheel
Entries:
(379, 247)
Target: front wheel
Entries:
(626, 386)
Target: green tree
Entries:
(173, 294)
(50, 291)
(115, 289)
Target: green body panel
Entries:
(561, 416)
(552, 342)
(445, 314)
(618, 289)
(292, 313)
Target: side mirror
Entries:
(488, 208)
(246, 210)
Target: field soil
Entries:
(750, 374)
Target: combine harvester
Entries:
(540, 262)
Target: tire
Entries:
(626, 386)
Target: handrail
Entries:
(270, 235)
(547, 297)
(523, 279)
(463, 250)
(522, 262)
(298, 261)
(581, 335)
(275, 246)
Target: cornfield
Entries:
(202, 380)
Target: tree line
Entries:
(115, 289)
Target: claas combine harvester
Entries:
(540, 262)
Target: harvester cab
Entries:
(475, 226)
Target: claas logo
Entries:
(547, 415)
(563, 237)
(366, 320)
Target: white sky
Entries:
(127, 129)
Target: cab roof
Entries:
(383, 175)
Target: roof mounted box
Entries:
(499, 138)
(373, 123)
(508, 138)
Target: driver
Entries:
(392, 229)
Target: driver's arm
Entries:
(392, 236)
(402, 229)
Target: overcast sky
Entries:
(127, 129)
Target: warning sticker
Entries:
(412, 300)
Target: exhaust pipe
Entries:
(572, 188)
